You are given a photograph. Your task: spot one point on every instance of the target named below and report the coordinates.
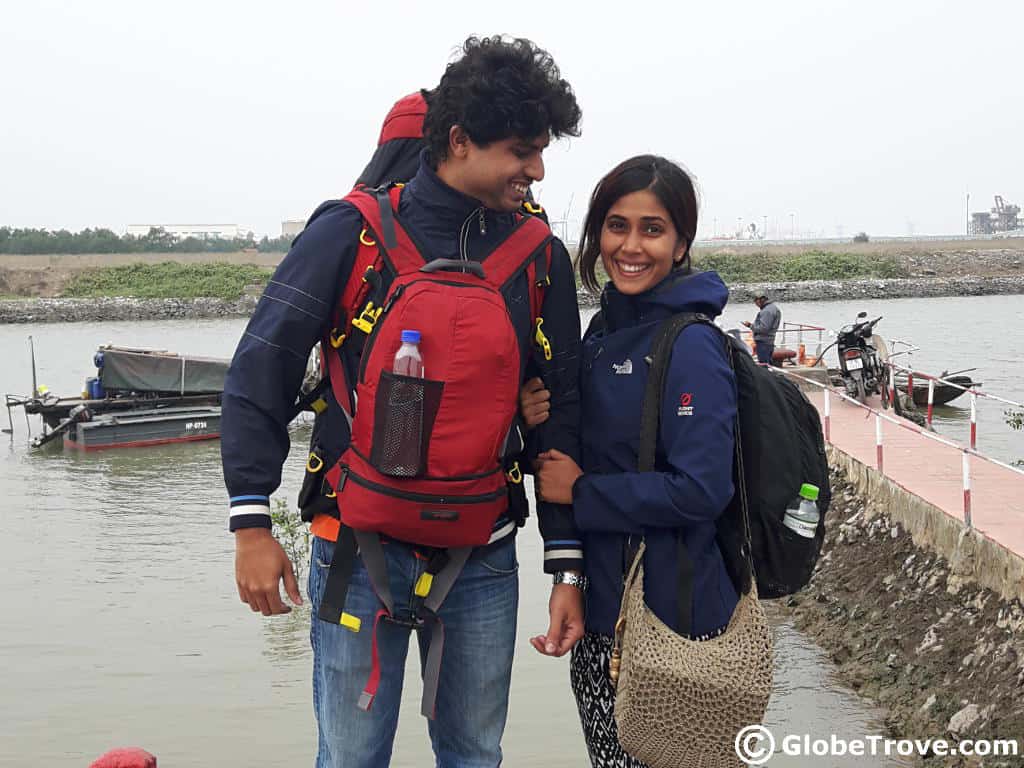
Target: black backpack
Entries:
(779, 446)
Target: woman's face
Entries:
(639, 243)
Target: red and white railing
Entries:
(880, 417)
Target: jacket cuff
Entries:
(563, 555)
(250, 511)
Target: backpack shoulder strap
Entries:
(378, 211)
(524, 245)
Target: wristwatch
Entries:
(574, 579)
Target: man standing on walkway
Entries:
(765, 325)
(487, 125)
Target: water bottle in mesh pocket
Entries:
(405, 410)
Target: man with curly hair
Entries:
(488, 123)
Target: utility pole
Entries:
(968, 213)
(792, 226)
(764, 234)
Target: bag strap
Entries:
(659, 358)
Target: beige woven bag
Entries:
(681, 702)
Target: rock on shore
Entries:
(943, 656)
(113, 309)
(103, 310)
(872, 288)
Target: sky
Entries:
(821, 118)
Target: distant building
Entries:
(199, 231)
(292, 227)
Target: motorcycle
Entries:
(859, 364)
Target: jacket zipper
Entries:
(425, 498)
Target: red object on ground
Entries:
(125, 757)
(781, 354)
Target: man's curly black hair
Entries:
(500, 88)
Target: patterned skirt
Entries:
(595, 699)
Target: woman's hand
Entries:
(555, 474)
(534, 403)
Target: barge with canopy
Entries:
(138, 397)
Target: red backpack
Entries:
(425, 461)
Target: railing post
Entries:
(910, 385)
(892, 383)
(878, 443)
(828, 417)
(931, 399)
(974, 421)
(967, 488)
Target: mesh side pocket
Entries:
(404, 413)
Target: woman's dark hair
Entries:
(498, 89)
(670, 184)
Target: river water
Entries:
(123, 625)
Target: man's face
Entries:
(760, 303)
(499, 174)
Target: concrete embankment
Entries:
(919, 613)
(91, 310)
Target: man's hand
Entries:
(748, 324)
(534, 403)
(555, 473)
(260, 566)
(566, 628)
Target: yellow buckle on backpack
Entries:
(348, 621)
(314, 464)
(515, 475)
(531, 208)
(319, 405)
(542, 340)
(336, 338)
(367, 318)
(366, 239)
(423, 585)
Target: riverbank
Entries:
(58, 310)
(905, 629)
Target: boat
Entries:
(944, 392)
(139, 397)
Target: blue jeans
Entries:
(479, 618)
(764, 352)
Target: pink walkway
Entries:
(932, 470)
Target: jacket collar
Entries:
(702, 292)
(445, 207)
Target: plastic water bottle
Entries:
(802, 514)
(408, 361)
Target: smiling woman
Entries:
(641, 222)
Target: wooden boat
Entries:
(944, 393)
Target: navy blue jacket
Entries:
(692, 483)
(296, 309)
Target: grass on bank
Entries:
(167, 280)
(172, 280)
(812, 265)
(761, 267)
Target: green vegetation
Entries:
(293, 536)
(1015, 420)
(813, 265)
(158, 240)
(758, 266)
(168, 280)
